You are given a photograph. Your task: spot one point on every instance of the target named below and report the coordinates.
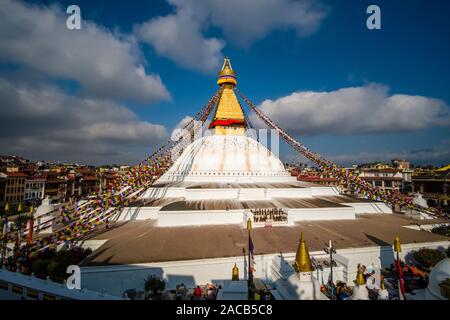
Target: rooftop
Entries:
(16, 175)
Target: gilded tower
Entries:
(229, 117)
(302, 259)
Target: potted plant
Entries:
(428, 258)
(155, 286)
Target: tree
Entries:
(39, 268)
(154, 285)
(57, 271)
(428, 258)
(443, 230)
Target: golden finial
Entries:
(20, 208)
(302, 258)
(227, 74)
(235, 273)
(360, 280)
(382, 286)
(397, 246)
(31, 209)
(249, 224)
(7, 206)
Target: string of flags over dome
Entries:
(347, 180)
(80, 220)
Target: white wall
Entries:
(138, 213)
(245, 194)
(202, 194)
(116, 279)
(370, 207)
(289, 193)
(197, 218)
(381, 256)
(154, 193)
(339, 213)
(47, 286)
(324, 191)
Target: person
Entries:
(183, 290)
(197, 293)
(210, 294)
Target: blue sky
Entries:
(409, 56)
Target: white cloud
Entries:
(106, 65)
(367, 109)
(45, 123)
(180, 36)
(244, 22)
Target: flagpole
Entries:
(331, 270)
(4, 239)
(401, 284)
(250, 271)
(249, 263)
(330, 250)
(5, 233)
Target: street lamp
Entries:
(330, 250)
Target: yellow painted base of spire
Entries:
(237, 131)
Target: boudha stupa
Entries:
(189, 226)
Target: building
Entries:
(56, 188)
(434, 185)
(319, 179)
(88, 184)
(401, 164)
(385, 178)
(34, 189)
(13, 187)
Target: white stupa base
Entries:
(233, 290)
(360, 293)
(291, 285)
(383, 295)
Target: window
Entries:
(3, 285)
(17, 289)
(49, 297)
(32, 294)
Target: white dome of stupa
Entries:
(225, 157)
(438, 274)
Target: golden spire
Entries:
(360, 280)
(7, 206)
(397, 246)
(227, 75)
(302, 258)
(235, 273)
(249, 224)
(382, 286)
(229, 117)
(20, 208)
